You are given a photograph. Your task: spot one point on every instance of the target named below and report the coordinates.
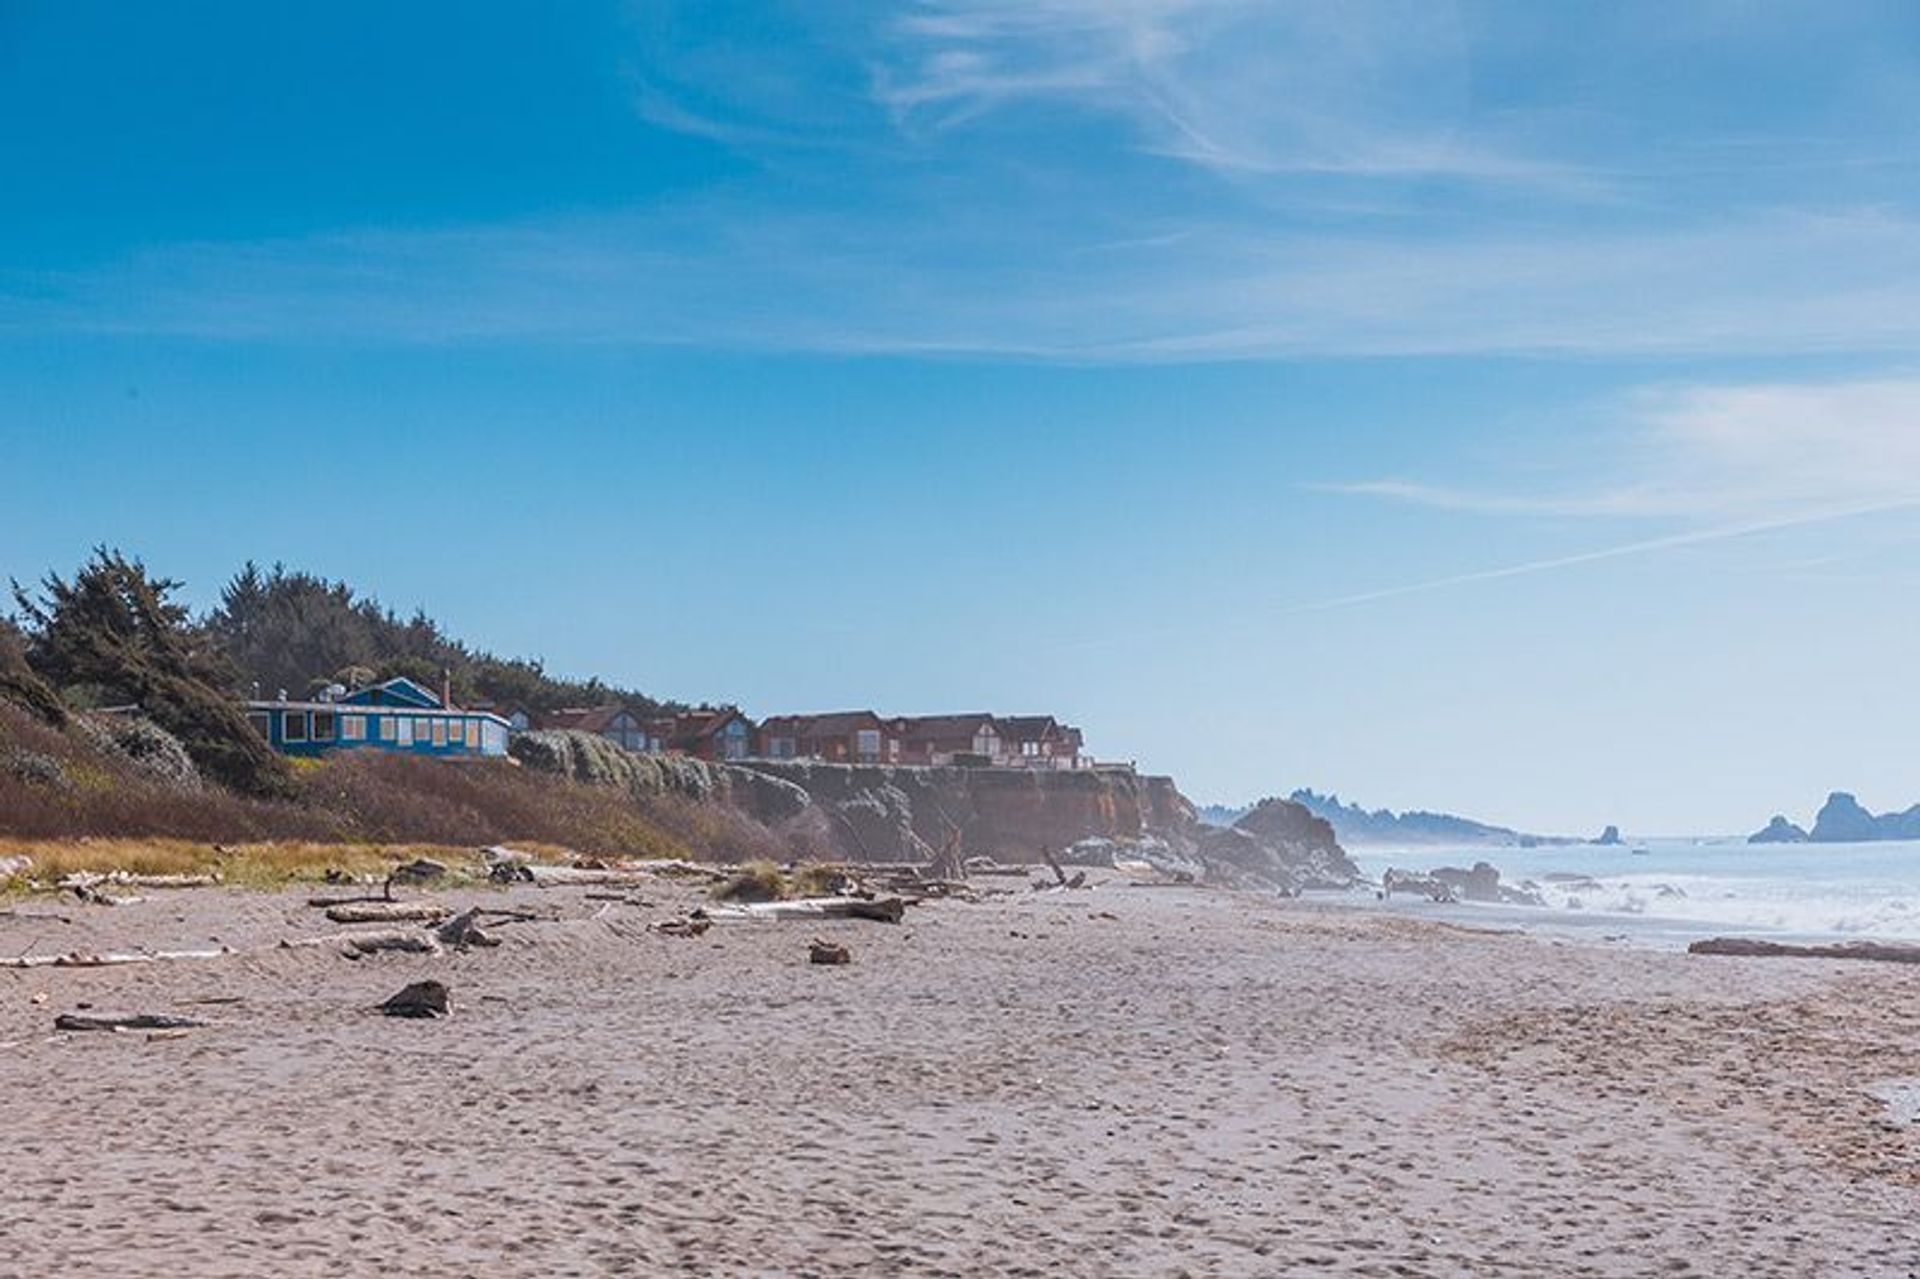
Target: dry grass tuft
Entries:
(758, 881)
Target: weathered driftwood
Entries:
(1753, 947)
(91, 878)
(125, 1021)
(354, 945)
(826, 952)
(388, 913)
(682, 927)
(463, 931)
(107, 959)
(887, 910)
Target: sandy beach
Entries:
(1107, 1082)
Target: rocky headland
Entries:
(1843, 820)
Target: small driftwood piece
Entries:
(691, 927)
(826, 952)
(887, 910)
(127, 1021)
(354, 945)
(1754, 947)
(388, 913)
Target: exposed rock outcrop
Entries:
(1779, 831)
(1842, 820)
(1609, 838)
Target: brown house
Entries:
(615, 723)
(937, 739)
(1040, 741)
(707, 732)
(844, 737)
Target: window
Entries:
(866, 742)
(1030, 749)
(439, 732)
(403, 730)
(353, 728)
(389, 726)
(323, 726)
(293, 726)
(262, 723)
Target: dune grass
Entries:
(764, 881)
(260, 865)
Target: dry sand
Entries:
(1107, 1082)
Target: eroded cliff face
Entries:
(886, 813)
(1103, 815)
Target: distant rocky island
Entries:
(1355, 825)
(1842, 820)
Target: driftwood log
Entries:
(108, 959)
(127, 1021)
(826, 952)
(388, 913)
(1753, 947)
(887, 910)
(354, 945)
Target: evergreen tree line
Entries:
(115, 634)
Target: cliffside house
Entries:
(615, 723)
(842, 737)
(947, 739)
(394, 715)
(707, 732)
(1041, 741)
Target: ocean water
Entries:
(1675, 890)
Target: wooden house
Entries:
(841, 737)
(615, 723)
(394, 715)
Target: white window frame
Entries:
(403, 730)
(288, 719)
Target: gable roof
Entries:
(588, 719)
(830, 724)
(931, 728)
(398, 691)
(689, 727)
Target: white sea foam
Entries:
(1687, 887)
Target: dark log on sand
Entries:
(128, 1021)
(388, 913)
(887, 910)
(1753, 947)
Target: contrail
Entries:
(1673, 542)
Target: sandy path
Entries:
(1203, 1084)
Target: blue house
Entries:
(396, 715)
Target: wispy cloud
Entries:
(1720, 450)
(1624, 550)
(1238, 86)
(921, 279)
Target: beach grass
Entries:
(262, 865)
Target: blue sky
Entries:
(1505, 408)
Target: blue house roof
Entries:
(399, 691)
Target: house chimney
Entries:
(446, 687)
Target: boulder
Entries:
(421, 999)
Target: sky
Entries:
(1511, 409)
